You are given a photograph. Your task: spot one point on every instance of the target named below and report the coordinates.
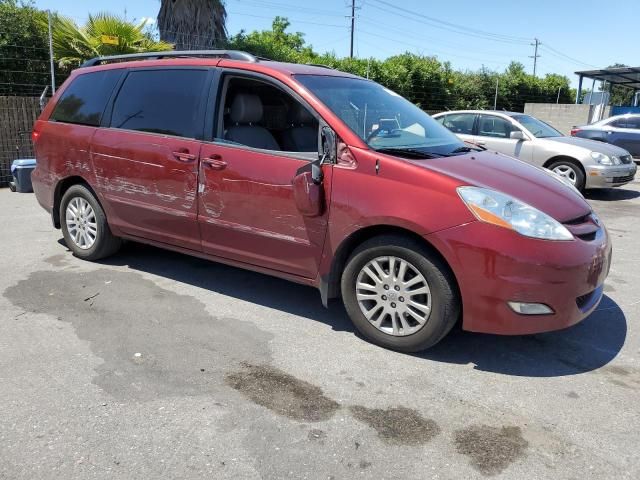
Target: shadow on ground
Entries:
(590, 345)
(587, 346)
(611, 194)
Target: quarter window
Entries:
(161, 101)
(84, 101)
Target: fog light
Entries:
(530, 308)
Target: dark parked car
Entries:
(322, 178)
(621, 130)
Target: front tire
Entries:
(399, 295)
(571, 171)
(84, 225)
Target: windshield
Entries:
(382, 118)
(538, 128)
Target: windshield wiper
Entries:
(407, 152)
(465, 149)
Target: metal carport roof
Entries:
(624, 76)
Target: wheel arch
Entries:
(565, 158)
(61, 187)
(330, 284)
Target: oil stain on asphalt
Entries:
(397, 425)
(491, 449)
(282, 393)
(154, 342)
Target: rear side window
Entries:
(490, 126)
(161, 101)
(84, 101)
(630, 122)
(460, 122)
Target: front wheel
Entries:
(399, 295)
(84, 225)
(569, 171)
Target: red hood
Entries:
(525, 182)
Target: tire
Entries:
(443, 294)
(571, 170)
(92, 225)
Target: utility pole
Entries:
(535, 55)
(51, 64)
(353, 24)
(495, 99)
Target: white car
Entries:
(585, 163)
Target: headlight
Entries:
(603, 159)
(504, 211)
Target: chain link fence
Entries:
(25, 86)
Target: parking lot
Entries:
(158, 365)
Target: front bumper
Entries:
(601, 176)
(494, 265)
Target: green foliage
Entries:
(428, 82)
(73, 44)
(24, 55)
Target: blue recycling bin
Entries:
(21, 170)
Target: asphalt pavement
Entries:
(153, 364)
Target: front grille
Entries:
(626, 178)
(579, 220)
(583, 227)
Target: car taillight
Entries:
(574, 131)
(34, 135)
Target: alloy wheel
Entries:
(567, 172)
(81, 223)
(393, 295)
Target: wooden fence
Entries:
(17, 115)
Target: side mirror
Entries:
(517, 135)
(329, 152)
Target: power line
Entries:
(460, 29)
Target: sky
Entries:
(470, 34)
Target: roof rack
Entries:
(320, 65)
(230, 54)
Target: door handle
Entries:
(184, 156)
(480, 142)
(215, 162)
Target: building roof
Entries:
(623, 76)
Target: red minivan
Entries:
(322, 178)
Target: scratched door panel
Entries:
(150, 183)
(248, 212)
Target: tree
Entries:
(103, 34)
(193, 24)
(620, 95)
(24, 54)
(275, 43)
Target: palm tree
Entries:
(193, 24)
(103, 34)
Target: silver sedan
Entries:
(585, 163)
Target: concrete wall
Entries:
(560, 116)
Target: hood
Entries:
(533, 185)
(591, 145)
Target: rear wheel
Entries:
(569, 170)
(84, 225)
(399, 295)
